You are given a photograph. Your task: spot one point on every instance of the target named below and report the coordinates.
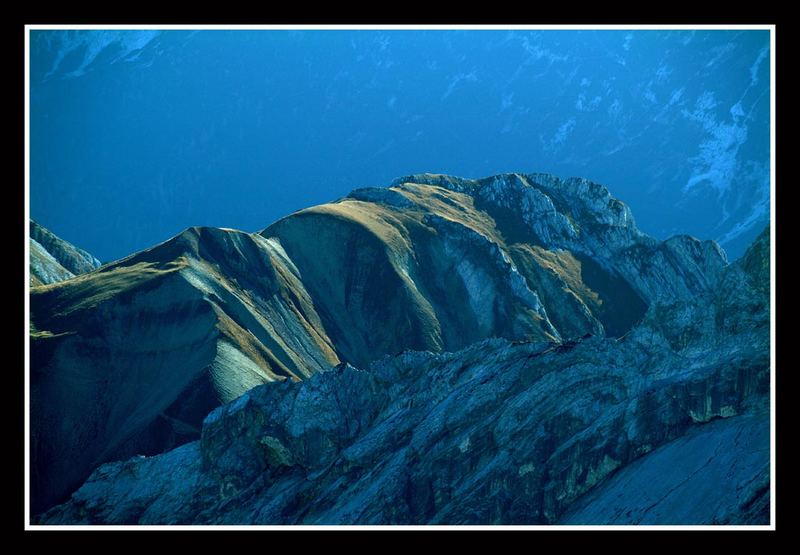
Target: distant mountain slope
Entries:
(130, 358)
(52, 259)
(44, 268)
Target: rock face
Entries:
(599, 430)
(679, 483)
(52, 259)
(614, 343)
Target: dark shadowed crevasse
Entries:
(621, 305)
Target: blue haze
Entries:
(136, 135)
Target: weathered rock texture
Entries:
(715, 474)
(615, 343)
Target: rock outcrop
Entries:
(714, 474)
(52, 259)
(130, 358)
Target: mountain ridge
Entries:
(500, 432)
(434, 266)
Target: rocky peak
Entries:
(582, 217)
(575, 198)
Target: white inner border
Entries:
(773, 215)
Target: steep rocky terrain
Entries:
(129, 359)
(599, 430)
(52, 259)
(714, 474)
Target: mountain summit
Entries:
(517, 329)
